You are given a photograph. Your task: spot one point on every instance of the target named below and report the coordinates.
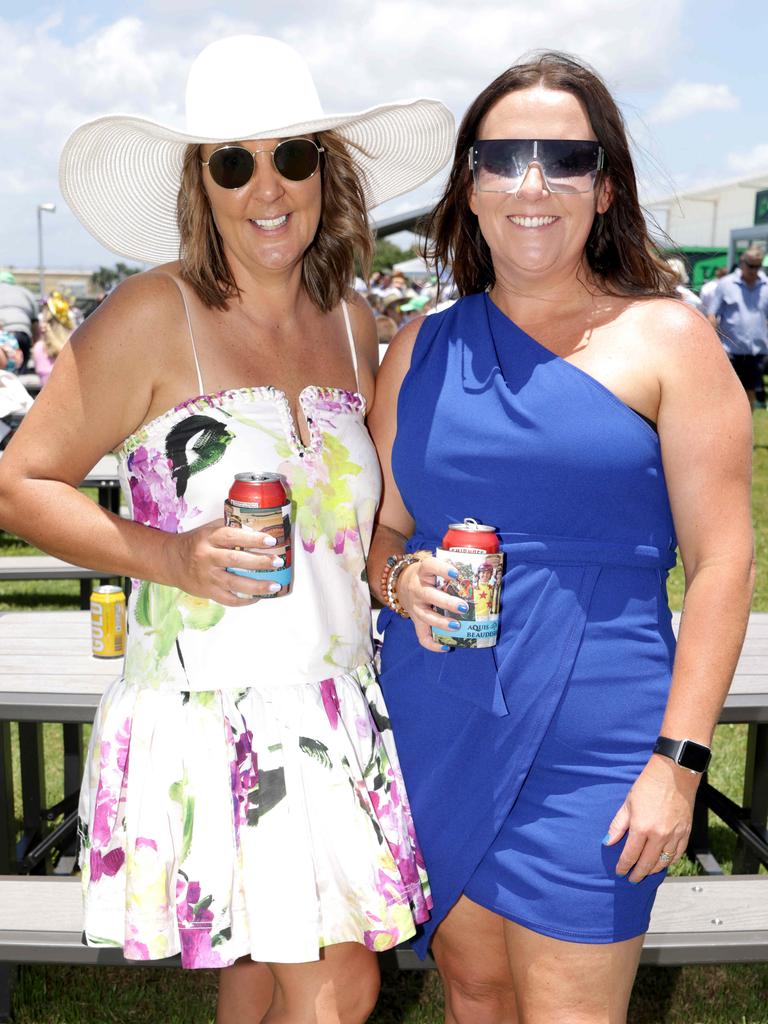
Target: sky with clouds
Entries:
(690, 75)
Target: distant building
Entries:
(69, 282)
(704, 217)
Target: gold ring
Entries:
(664, 857)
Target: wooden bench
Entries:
(105, 478)
(697, 919)
(45, 567)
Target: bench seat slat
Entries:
(40, 918)
(46, 567)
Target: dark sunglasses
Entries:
(567, 165)
(294, 159)
(753, 266)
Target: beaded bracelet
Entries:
(388, 567)
(392, 569)
(392, 599)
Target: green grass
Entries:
(717, 994)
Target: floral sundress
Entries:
(242, 794)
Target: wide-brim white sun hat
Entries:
(121, 173)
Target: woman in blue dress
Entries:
(569, 401)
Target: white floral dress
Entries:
(242, 794)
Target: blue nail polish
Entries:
(606, 838)
(453, 624)
(445, 647)
(453, 574)
(463, 607)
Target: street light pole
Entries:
(42, 208)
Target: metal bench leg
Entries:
(698, 841)
(7, 980)
(32, 785)
(745, 862)
(73, 756)
(7, 818)
(73, 771)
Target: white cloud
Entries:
(750, 161)
(362, 52)
(686, 98)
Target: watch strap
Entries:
(677, 750)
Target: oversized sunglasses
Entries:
(294, 159)
(567, 165)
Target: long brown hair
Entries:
(328, 268)
(618, 250)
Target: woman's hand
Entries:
(419, 596)
(198, 563)
(657, 816)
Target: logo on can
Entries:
(473, 550)
(108, 622)
(259, 501)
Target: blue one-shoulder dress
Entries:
(517, 757)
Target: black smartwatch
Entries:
(687, 753)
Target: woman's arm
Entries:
(416, 589)
(705, 432)
(99, 392)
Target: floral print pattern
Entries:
(242, 794)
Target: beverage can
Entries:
(108, 622)
(473, 550)
(259, 501)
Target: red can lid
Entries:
(264, 490)
(472, 526)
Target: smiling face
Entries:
(271, 221)
(535, 233)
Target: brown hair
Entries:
(328, 268)
(618, 249)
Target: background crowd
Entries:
(33, 332)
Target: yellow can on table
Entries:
(108, 622)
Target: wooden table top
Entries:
(46, 666)
(103, 474)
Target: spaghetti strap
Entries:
(201, 387)
(351, 338)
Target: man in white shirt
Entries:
(708, 289)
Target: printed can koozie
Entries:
(473, 550)
(259, 501)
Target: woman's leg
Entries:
(340, 988)
(471, 954)
(245, 992)
(570, 982)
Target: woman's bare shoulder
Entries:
(151, 293)
(667, 330)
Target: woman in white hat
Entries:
(263, 814)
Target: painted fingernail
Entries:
(269, 542)
(445, 647)
(273, 588)
(463, 607)
(453, 574)
(606, 838)
(278, 562)
(453, 624)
